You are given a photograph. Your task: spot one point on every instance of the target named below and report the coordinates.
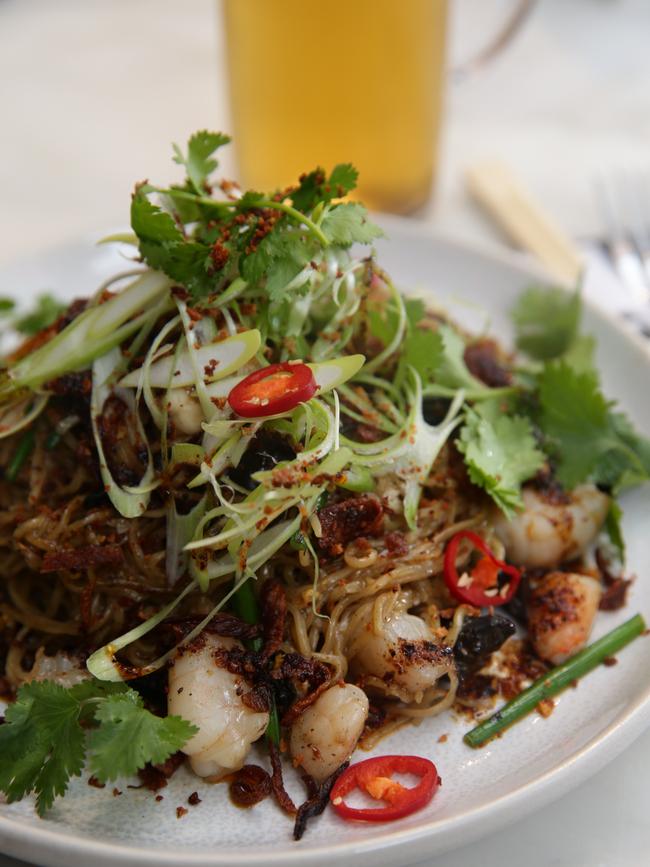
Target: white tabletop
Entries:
(92, 94)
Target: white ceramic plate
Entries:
(536, 761)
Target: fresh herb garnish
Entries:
(201, 240)
(546, 321)
(500, 454)
(49, 732)
(199, 161)
(7, 306)
(46, 311)
(580, 430)
(588, 439)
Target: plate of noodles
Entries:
(308, 527)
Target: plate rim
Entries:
(24, 840)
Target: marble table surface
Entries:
(92, 93)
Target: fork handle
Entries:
(497, 190)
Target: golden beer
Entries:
(319, 82)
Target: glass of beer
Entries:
(319, 82)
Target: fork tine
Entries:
(641, 234)
(614, 199)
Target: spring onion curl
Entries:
(411, 451)
(92, 334)
(130, 501)
(554, 681)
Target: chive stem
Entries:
(21, 454)
(246, 608)
(556, 680)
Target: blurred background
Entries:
(93, 93)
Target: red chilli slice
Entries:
(374, 776)
(490, 582)
(273, 389)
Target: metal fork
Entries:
(624, 201)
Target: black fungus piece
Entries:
(478, 640)
(434, 409)
(266, 450)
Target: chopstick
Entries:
(499, 192)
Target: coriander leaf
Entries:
(188, 207)
(41, 742)
(546, 321)
(450, 368)
(383, 322)
(164, 247)
(150, 223)
(591, 441)
(188, 263)
(423, 350)
(500, 456)
(580, 355)
(315, 187)
(6, 305)
(348, 224)
(625, 431)
(309, 191)
(415, 310)
(574, 413)
(46, 311)
(199, 162)
(129, 736)
(88, 691)
(278, 258)
(342, 180)
(614, 529)
(280, 275)
(249, 200)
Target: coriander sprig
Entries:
(50, 732)
(203, 242)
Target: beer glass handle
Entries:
(503, 38)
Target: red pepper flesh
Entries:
(478, 586)
(273, 389)
(374, 776)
